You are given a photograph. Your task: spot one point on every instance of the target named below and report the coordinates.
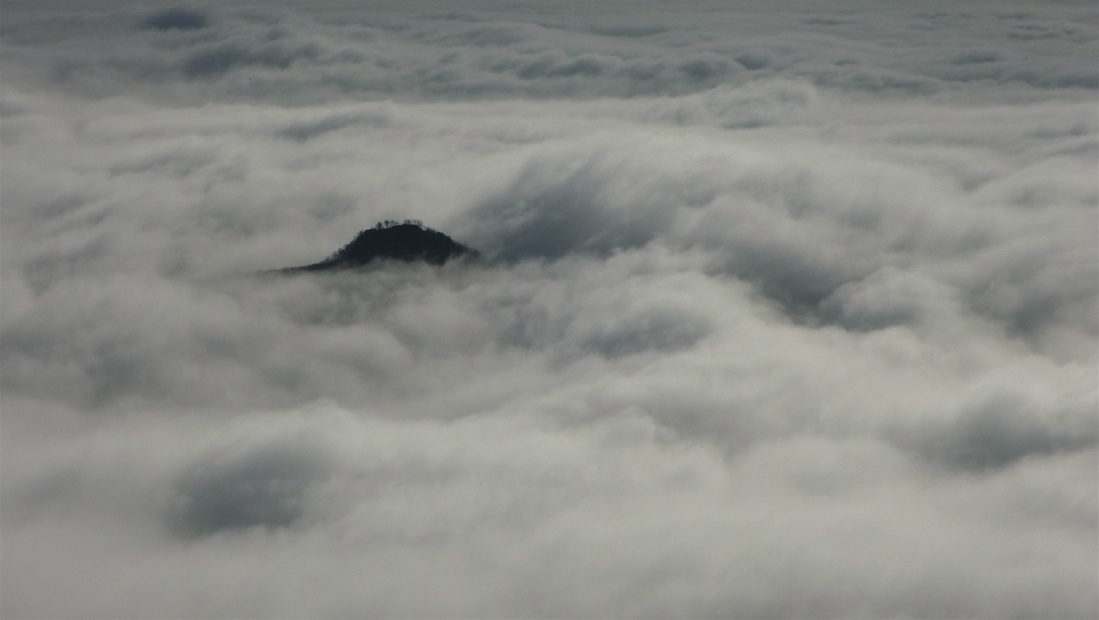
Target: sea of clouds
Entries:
(787, 310)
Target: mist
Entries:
(784, 311)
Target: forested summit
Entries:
(407, 241)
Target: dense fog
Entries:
(786, 310)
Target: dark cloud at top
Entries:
(780, 313)
(177, 19)
(485, 51)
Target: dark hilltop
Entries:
(408, 241)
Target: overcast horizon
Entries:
(788, 310)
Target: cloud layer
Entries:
(783, 314)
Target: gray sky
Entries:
(790, 310)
